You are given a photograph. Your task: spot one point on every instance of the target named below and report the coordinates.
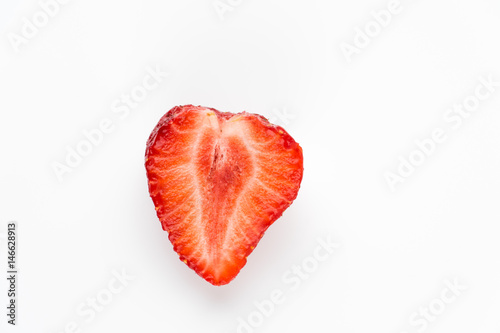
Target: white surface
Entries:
(353, 120)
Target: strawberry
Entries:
(218, 180)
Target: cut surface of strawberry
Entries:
(218, 180)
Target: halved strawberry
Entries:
(218, 181)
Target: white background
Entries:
(353, 119)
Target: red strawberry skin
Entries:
(218, 180)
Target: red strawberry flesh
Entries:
(218, 181)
